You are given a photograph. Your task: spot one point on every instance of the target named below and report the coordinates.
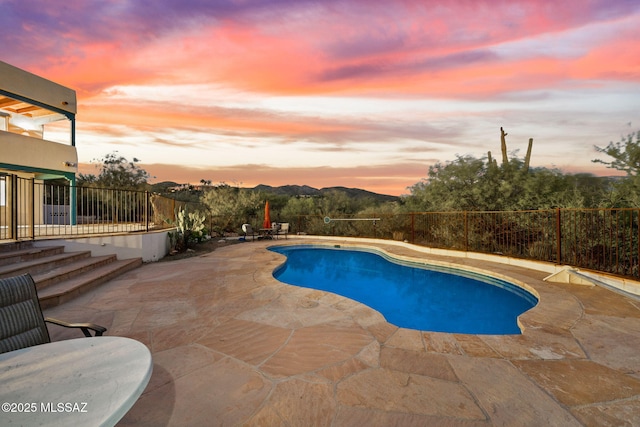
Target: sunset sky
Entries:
(359, 93)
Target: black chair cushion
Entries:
(21, 321)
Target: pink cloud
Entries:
(478, 52)
(299, 48)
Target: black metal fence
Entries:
(30, 209)
(606, 240)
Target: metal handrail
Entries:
(33, 210)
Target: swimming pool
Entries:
(409, 295)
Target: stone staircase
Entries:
(59, 275)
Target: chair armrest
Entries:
(85, 327)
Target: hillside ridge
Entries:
(305, 190)
(283, 190)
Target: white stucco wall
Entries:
(33, 154)
(42, 154)
(149, 246)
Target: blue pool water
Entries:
(426, 298)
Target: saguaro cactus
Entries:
(503, 146)
(527, 159)
(491, 162)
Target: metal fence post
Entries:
(146, 209)
(638, 240)
(73, 202)
(413, 227)
(466, 232)
(558, 236)
(14, 196)
(34, 203)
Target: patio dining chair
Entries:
(284, 229)
(248, 231)
(22, 323)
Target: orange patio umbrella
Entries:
(267, 216)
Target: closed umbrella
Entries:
(267, 216)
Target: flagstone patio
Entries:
(233, 346)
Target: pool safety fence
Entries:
(606, 240)
(31, 209)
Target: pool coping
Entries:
(556, 312)
(425, 263)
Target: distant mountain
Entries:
(164, 186)
(284, 190)
(288, 190)
(305, 190)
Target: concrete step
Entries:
(44, 264)
(11, 245)
(28, 254)
(60, 276)
(68, 271)
(66, 290)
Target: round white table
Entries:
(85, 381)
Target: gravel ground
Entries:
(201, 249)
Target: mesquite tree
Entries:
(626, 158)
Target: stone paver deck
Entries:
(233, 346)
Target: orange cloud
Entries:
(445, 74)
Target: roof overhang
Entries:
(25, 93)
